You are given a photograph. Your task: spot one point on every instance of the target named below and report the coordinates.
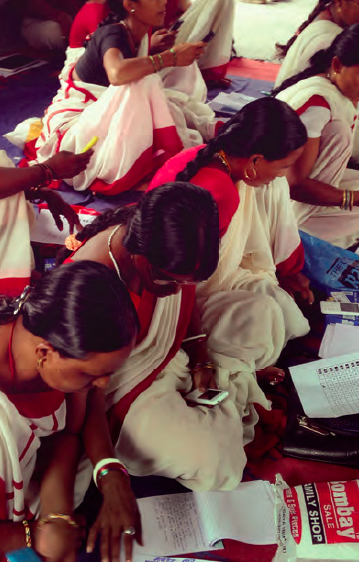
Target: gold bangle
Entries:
(351, 205)
(344, 202)
(27, 534)
(174, 55)
(153, 63)
(54, 516)
(161, 61)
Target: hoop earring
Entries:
(40, 363)
(248, 177)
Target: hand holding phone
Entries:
(211, 397)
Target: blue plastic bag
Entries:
(330, 268)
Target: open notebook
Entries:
(195, 522)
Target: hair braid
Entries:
(203, 158)
(111, 217)
(282, 50)
(319, 63)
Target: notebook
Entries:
(197, 522)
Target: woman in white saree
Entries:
(326, 95)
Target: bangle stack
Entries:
(48, 175)
(204, 365)
(174, 56)
(155, 69)
(348, 200)
(53, 516)
(28, 540)
(105, 466)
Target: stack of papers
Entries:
(229, 103)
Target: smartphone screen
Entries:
(209, 394)
(349, 307)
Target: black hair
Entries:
(117, 12)
(263, 126)
(345, 46)
(322, 5)
(175, 226)
(79, 308)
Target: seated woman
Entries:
(199, 19)
(113, 93)
(59, 342)
(324, 23)
(162, 248)
(327, 20)
(326, 96)
(261, 254)
(16, 217)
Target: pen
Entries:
(266, 93)
(90, 144)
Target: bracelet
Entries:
(53, 516)
(33, 192)
(174, 55)
(195, 339)
(348, 198)
(27, 534)
(205, 365)
(351, 204)
(107, 464)
(153, 62)
(48, 175)
(161, 61)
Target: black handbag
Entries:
(331, 440)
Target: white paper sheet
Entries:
(171, 525)
(329, 387)
(230, 103)
(245, 514)
(339, 339)
(193, 522)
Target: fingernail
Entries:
(88, 549)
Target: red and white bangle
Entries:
(104, 466)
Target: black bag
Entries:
(332, 440)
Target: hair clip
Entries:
(20, 301)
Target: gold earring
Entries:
(39, 363)
(248, 177)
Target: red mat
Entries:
(258, 70)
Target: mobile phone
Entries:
(176, 25)
(22, 555)
(350, 308)
(208, 37)
(210, 397)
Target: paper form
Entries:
(328, 388)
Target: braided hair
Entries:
(175, 227)
(322, 5)
(345, 47)
(260, 127)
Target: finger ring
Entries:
(274, 382)
(130, 531)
